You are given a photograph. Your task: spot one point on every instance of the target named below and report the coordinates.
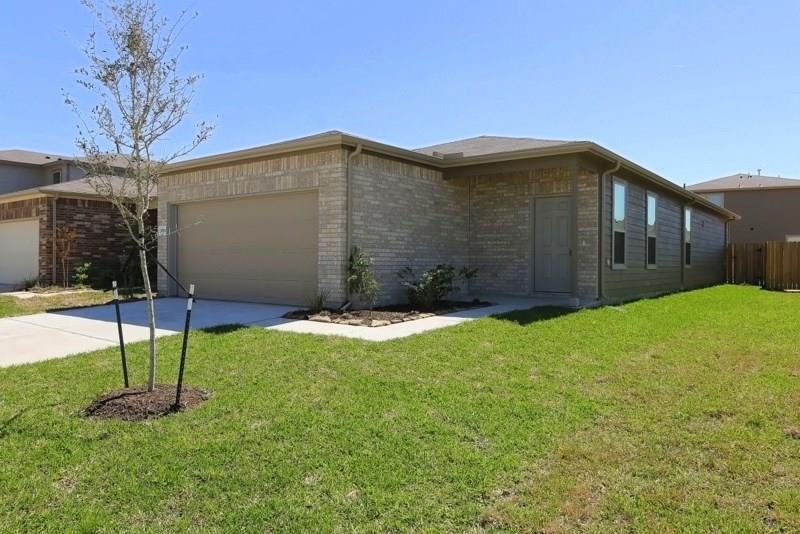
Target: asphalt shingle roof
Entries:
(744, 181)
(489, 144)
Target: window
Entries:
(716, 198)
(57, 177)
(687, 236)
(620, 194)
(652, 230)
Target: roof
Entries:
(744, 181)
(81, 187)
(488, 144)
(29, 157)
(466, 152)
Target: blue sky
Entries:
(691, 90)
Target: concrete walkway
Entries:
(43, 336)
(399, 330)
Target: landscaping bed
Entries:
(137, 404)
(385, 315)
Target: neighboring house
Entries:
(769, 206)
(535, 217)
(38, 194)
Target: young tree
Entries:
(139, 98)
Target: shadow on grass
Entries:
(536, 315)
(224, 328)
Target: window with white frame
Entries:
(652, 230)
(687, 236)
(716, 198)
(57, 177)
(619, 222)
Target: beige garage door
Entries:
(259, 249)
(19, 251)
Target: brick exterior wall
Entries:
(101, 239)
(406, 215)
(588, 234)
(22, 209)
(322, 170)
(500, 227)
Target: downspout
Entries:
(601, 290)
(54, 246)
(349, 207)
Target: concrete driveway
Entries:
(32, 338)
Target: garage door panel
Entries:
(262, 249)
(19, 251)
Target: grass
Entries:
(13, 306)
(661, 415)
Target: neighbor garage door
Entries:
(19, 251)
(260, 249)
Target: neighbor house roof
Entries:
(81, 187)
(30, 157)
(744, 181)
(471, 151)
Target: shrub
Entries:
(360, 279)
(433, 285)
(81, 275)
(30, 283)
(317, 303)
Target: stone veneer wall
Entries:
(501, 243)
(406, 215)
(321, 170)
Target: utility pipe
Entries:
(601, 264)
(349, 202)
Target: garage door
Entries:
(259, 249)
(19, 251)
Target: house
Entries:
(769, 206)
(40, 193)
(534, 217)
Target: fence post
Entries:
(189, 302)
(119, 331)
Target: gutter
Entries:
(601, 293)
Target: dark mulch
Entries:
(384, 315)
(136, 404)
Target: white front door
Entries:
(552, 255)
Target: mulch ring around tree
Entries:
(137, 404)
(385, 315)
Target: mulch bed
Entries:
(136, 404)
(384, 316)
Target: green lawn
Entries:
(11, 306)
(663, 415)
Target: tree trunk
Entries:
(151, 309)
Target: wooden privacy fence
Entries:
(771, 265)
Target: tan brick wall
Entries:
(406, 215)
(321, 170)
(501, 243)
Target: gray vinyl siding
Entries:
(708, 250)
(636, 280)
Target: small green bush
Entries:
(81, 275)
(433, 285)
(360, 279)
